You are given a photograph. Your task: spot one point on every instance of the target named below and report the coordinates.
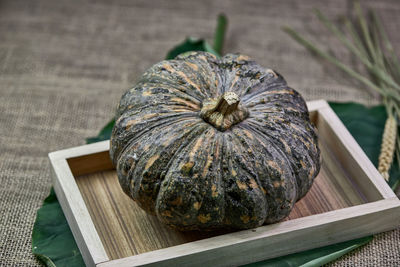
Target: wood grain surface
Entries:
(126, 230)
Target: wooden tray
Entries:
(349, 199)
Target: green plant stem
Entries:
(376, 66)
(374, 50)
(333, 60)
(351, 29)
(380, 56)
(365, 31)
(393, 61)
(342, 37)
(220, 33)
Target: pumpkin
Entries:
(204, 143)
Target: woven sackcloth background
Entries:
(65, 64)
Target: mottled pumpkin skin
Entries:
(193, 176)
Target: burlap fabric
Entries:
(64, 66)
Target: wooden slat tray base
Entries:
(126, 230)
(348, 199)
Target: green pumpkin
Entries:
(205, 143)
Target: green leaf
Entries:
(52, 240)
(315, 257)
(219, 37)
(195, 44)
(104, 134)
(366, 125)
(191, 44)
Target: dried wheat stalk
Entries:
(388, 147)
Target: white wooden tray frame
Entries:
(249, 245)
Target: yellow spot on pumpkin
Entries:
(291, 109)
(131, 160)
(168, 67)
(273, 92)
(196, 205)
(123, 171)
(213, 56)
(248, 134)
(185, 102)
(168, 141)
(204, 58)
(204, 218)
(207, 165)
(242, 57)
(132, 183)
(129, 124)
(181, 74)
(189, 81)
(187, 167)
(272, 164)
(287, 148)
(241, 185)
(179, 109)
(264, 191)
(253, 184)
(234, 82)
(166, 213)
(276, 119)
(146, 147)
(245, 218)
(303, 164)
(214, 191)
(146, 93)
(192, 153)
(151, 161)
(310, 176)
(193, 66)
(294, 126)
(149, 116)
(177, 201)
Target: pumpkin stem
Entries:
(228, 103)
(224, 111)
